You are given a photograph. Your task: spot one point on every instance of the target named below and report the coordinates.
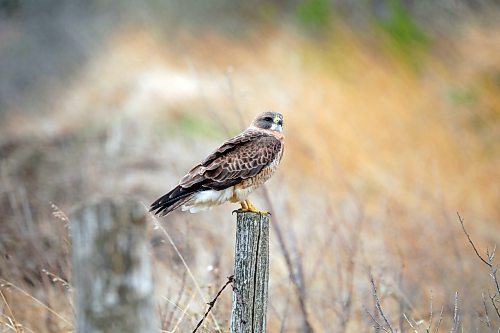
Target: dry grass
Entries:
(379, 158)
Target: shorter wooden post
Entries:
(112, 268)
(251, 273)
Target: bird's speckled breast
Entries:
(243, 190)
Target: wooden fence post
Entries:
(251, 273)
(112, 270)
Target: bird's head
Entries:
(269, 120)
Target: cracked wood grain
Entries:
(251, 273)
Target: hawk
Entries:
(231, 172)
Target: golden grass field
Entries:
(380, 155)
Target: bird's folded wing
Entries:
(240, 158)
(242, 138)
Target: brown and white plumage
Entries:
(231, 172)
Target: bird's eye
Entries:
(268, 119)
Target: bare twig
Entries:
(409, 323)
(415, 325)
(486, 315)
(211, 304)
(488, 262)
(387, 327)
(471, 242)
(494, 301)
(439, 320)
(428, 329)
(456, 316)
(377, 325)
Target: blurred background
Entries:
(392, 121)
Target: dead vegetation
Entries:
(379, 158)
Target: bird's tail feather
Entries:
(167, 209)
(171, 201)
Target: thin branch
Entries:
(471, 242)
(489, 263)
(492, 255)
(456, 316)
(377, 326)
(439, 320)
(487, 317)
(409, 323)
(428, 329)
(377, 304)
(493, 302)
(211, 304)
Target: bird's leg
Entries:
(251, 208)
(244, 208)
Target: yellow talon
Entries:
(246, 206)
(251, 208)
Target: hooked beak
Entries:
(278, 124)
(277, 127)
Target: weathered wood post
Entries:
(251, 273)
(112, 268)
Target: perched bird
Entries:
(231, 172)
